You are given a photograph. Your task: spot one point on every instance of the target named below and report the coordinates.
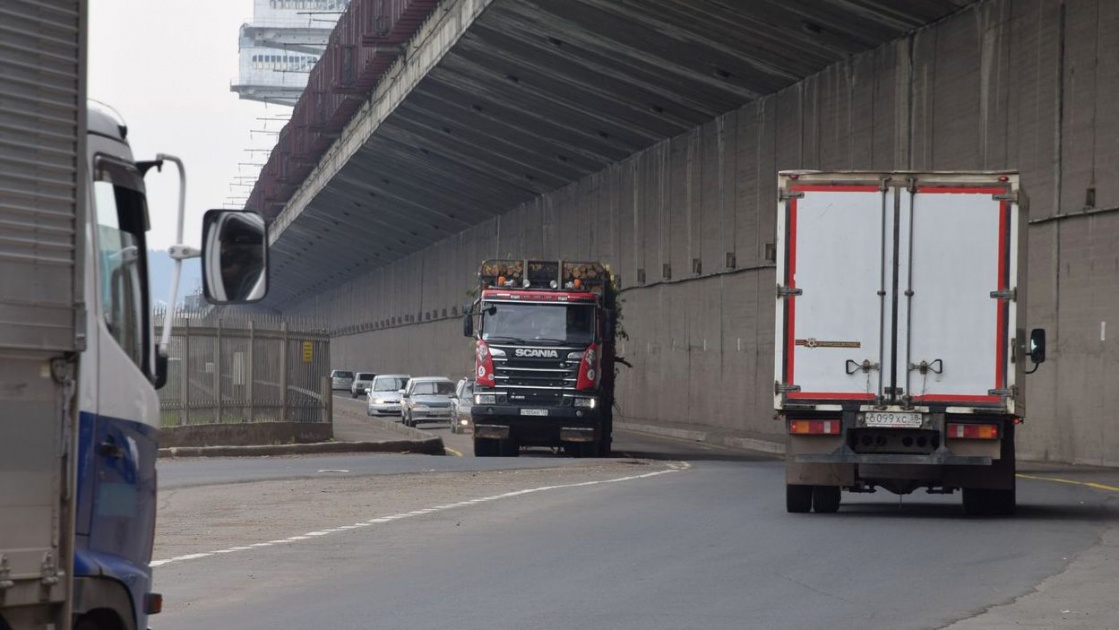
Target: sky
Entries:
(167, 66)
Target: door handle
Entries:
(924, 367)
(109, 449)
(865, 366)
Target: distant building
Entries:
(280, 46)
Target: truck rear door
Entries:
(896, 288)
(831, 277)
(958, 296)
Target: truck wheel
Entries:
(581, 449)
(977, 501)
(486, 448)
(1002, 502)
(825, 499)
(508, 448)
(603, 447)
(798, 498)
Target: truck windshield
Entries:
(547, 323)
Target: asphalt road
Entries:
(625, 543)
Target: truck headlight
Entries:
(590, 403)
(485, 399)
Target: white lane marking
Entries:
(333, 470)
(672, 467)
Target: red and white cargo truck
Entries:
(901, 345)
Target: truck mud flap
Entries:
(577, 434)
(491, 432)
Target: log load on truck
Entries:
(901, 346)
(544, 357)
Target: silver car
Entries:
(384, 394)
(461, 421)
(427, 399)
(362, 380)
(341, 379)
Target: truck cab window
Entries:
(121, 211)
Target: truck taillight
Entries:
(589, 372)
(814, 427)
(973, 431)
(483, 365)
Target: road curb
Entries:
(427, 446)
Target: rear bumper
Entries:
(941, 457)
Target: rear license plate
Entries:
(534, 412)
(893, 419)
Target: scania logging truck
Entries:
(901, 346)
(544, 357)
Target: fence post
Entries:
(249, 372)
(217, 372)
(328, 400)
(283, 371)
(184, 367)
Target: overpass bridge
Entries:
(648, 134)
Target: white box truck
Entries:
(79, 358)
(901, 345)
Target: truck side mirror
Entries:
(234, 257)
(1037, 345)
(467, 324)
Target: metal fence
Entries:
(244, 367)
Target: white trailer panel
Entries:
(960, 240)
(42, 147)
(898, 289)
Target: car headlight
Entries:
(485, 399)
(586, 402)
(377, 401)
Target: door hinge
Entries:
(1006, 294)
(48, 572)
(786, 194)
(6, 581)
(783, 291)
(782, 388)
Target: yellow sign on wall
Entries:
(308, 352)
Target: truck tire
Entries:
(486, 448)
(977, 501)
(508, 448)
(604, 447)
(1003, 502)
(798, 498)
(825, 499)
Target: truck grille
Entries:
(534, 380)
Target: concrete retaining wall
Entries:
(689, 223)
